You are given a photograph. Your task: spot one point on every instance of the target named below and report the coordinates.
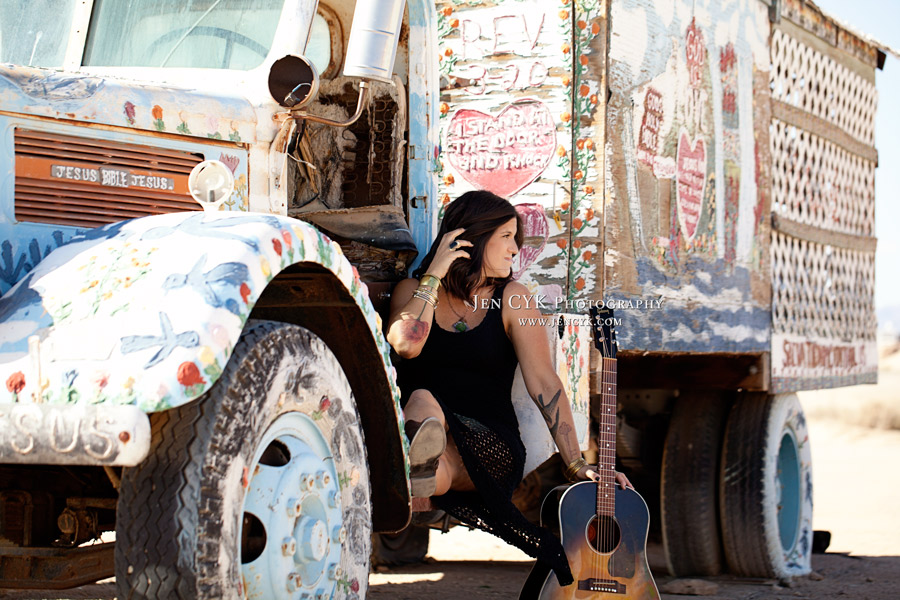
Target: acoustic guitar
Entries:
(603, 527)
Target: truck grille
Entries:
(83, 182)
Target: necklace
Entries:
(461, 325)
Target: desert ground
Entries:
(855, 437)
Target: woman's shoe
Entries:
(427, 441)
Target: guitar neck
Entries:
(606, 488)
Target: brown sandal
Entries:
(427, 442)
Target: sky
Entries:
(879, 19)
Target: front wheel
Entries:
(260, 489)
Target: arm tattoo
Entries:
(415, 330)
(564, 430)
(550, 410)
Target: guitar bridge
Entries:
(609, 586)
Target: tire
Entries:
(258, 489)
(765, 488)
(689, 485)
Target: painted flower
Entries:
(448, 179)
(561, 151)
(16, 382)
(580, 144)
(448, 52)
(593, 98)
(264, 265)
(276, 243)
(188, 374)
(566, 80)
(128, 384)
(581, 25)
(577, 243)
(454, 23)
(590, 212)
(564, 206)
(445, 198)
(207, 356)
(157, 111)
(563, 14)
(288, 239)
(245, 293)
(589, 189)
(587, 255)
(595, 27)
(583, 59)
(444, 108)
(129, 113)
(324, 403)
(589, 144)
(579, 283)
(577, 223)
(578, 174)
(100, 379)
(447, 11)
(565, 117)
(566, 48)
(561, 242)
(584, 90)
(354, 586)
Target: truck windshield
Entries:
(35, 33)
(217, 34)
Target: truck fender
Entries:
(147, 312)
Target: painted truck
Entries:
(214, 386)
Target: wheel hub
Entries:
(296, 499)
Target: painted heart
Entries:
(690, 175)
(534, 225)
(502, 153)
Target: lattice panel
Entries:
(820, 290)
(819, 183)
(810, 80)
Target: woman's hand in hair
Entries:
(450, 249)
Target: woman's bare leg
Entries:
(451, 472)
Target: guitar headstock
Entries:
(604, 335)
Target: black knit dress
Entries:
(471, 375)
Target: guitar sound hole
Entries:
(603, 534)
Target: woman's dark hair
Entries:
(480, 213)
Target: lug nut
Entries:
(335, 572)
(288, 546)
(333, 499)
(339, 535)
(307, 482)
(294, 581)
(294, 507)
(322, 479)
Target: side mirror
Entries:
(371, 52)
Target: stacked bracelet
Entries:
(429, 280)
(427, 294)
(571, 471)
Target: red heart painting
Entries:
(534, 222)
(690, 175)
(502, 153)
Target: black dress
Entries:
(471, 375)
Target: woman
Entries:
(461, 337)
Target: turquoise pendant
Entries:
(460, 326)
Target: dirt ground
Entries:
(857, 499)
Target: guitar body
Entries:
(620, 571)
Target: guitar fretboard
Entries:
(606, 487)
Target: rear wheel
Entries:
(689, 486)
(259, 489)
(766, 488)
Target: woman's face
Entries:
(500, 249)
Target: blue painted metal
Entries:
(790, 487)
